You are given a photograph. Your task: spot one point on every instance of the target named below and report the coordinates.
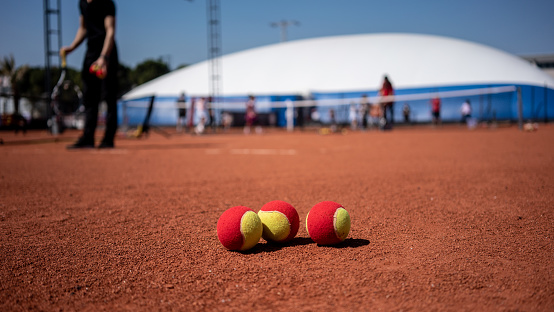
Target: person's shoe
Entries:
(81, 144)
(106, 145)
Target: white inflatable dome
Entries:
(351, 63)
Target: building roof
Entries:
(351, 63)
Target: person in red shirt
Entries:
(251, 118)
(387, 90)
(436, 110)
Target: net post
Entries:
(545, 103)
(519, 109)
(125, 120)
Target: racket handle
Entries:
(64, 63)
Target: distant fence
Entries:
(489, 103)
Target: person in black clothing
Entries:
(97, 26)
(182, 112)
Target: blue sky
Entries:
(176, 29)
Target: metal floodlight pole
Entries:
(48, 32)
(214, 50)
(283, 25)
(545, 103)
(46, 45)
(59, 31)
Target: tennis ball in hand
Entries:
(328, 223)
(96, 70)
(239, 228)
(100, 73)
(280, 221)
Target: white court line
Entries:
(248, 151)
(214, 151)
(113, 151)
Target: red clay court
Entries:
(442, 219)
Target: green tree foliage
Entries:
(30, 81)
(33, 83)
(148, 70)
(182, 66)
(8, 69)
(125, 79)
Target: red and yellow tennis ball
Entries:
(96, 70)
(328, 223)
(101, 74)
(239, 228)
(280, 221)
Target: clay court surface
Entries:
(442, 220)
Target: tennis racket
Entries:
(55, 124)
(66, 103)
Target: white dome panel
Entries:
(351, 63)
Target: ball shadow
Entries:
(300, 241)
(349, 243)
(273, 246)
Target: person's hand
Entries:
(101, 67)
(65, 51)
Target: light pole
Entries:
(283, 25)
(213, 13)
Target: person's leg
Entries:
(110, 87)
(91, 100)
(111, 123)
(111, 117)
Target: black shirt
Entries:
(94, 14)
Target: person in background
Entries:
(466, 111)
(333, 121)
(388, 106)
(190, 121)
(97, 26)
(375, 115)
(300, 117)
(211, 118)
(364, 111)
(353, 116)
(226, 121)
(436, 110)
(315, 116)
(406, 113)
(182, 109)
(251, 117)
(201, 113)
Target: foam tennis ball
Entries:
(100, 73)
(280, 221)
(96, 70)
(92, 69)
(239, 228)
(328, 223)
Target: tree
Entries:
(8, 69)
(125, 79)
(182, 66)
(28, 81)
(148, 70)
